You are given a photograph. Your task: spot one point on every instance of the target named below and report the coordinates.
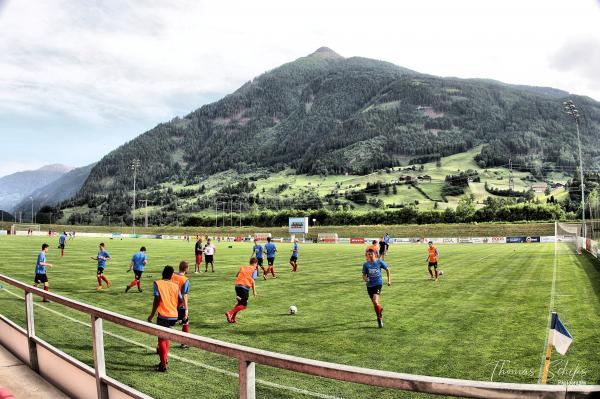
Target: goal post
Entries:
(569, 233)
(262, 236)
(24, 228)
(327, 237)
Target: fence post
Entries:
(99, 365)
(247, 379)
(33, 358)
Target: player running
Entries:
(371, 272)
(372, 247)
(198, 252)
(184, 286)
(61, 243)
(40, 269)
(270, 250)
(102, 257)
(138, 261)
(166, 298)
(257, 252)
(294, 257)
(209, 256)
(243, 283)
(386, 241)
(432, 260)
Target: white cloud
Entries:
(108, 63)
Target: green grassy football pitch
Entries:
(484, 319)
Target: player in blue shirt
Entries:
(61, 243)
(294, 257)
(40, 269)
(138, 261)
(102, 257)
(386, 242)
(270, 250)
(257, 252)
(371, 272)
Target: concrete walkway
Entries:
(22, 381)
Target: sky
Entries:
(80, 78)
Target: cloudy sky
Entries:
(79, 78)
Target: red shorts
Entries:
(198, 258)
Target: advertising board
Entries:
(298, 225)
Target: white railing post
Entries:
(33, 358)
(247, 379)
(99, 365)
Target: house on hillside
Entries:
(539, 187)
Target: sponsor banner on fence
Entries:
(450, 240)
(436, 240)
(478, 240)
(547, 239)
(465, 240)
(401, 240)
(344, 240)
(3, 232)
(496, 240)
(522, 239)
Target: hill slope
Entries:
(17, 186)
(329, 115)
(61, 189)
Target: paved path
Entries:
(22, 381)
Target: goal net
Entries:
(570, 233)
(328, 237)
(261, 236)
(24, 229)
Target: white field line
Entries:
(183, 359)
(550, 309)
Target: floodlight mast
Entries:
(135, 164)
(571, 109)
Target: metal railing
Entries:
(249, 357)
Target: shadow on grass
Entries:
(591, 265)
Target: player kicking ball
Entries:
(371, 273)
(102, 257)
(432, 261)
(243, 283)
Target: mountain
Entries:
(325, 114)
(61, 189)
(18, 186)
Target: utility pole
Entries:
(572, 110)
(230, 213)
(135, 164)
(240, 213)
(511, 182)
(216, 213)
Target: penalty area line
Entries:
(183, 359)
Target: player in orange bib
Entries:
(432, 260)
(243, 283)
(184, 286)
(167, 296)
(372, 247)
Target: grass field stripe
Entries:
(550, 309)
(183, 359)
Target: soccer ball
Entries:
(293, 310)
(441, 273)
